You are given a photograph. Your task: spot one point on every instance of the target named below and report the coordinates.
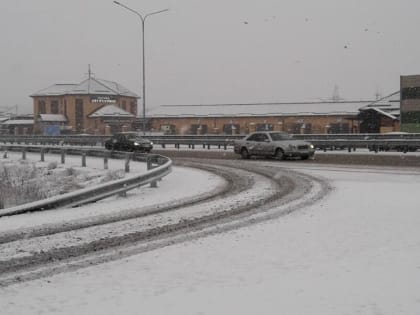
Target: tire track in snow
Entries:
(258, 192)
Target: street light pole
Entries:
(143, 20)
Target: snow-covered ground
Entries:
(199, 182)
(355, 252)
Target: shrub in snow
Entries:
(52, 165)
(19, 184)
(23, 181)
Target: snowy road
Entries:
(357, 251)
(39, 244)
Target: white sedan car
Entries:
(273, 144)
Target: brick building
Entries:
(296, 118)
(93, 106)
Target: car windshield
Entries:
(132, 136)
(276, 136)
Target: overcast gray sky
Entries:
(211, 51)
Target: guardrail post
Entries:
(63, 156)
(225, 147)
(208, 147)
(124, 193)
(24, 154)
(42, 155)
(193, 146)
(105, 162)
(204, 146)
(149, 163)
(149, 167)
(5, 154)
(163, 145)
(84, 159)
(127, 163)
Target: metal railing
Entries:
(158, 167)
(390, 141)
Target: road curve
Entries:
(252, 193)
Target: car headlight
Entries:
(311, 146)
(136, 143)
(151, 143)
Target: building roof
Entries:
(18, 122)
(389, 101)
(388, 106)
(262, 109)
(52, 118)
(87, 87)
(110, 111)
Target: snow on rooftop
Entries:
(388, 105)
(392, 100)
(110, 111)
(263, 109)
(52, 117)
(88, 86)
(18, 122)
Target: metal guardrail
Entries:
(88, 140)
(160, 167)
(374, 142)
(399, 141)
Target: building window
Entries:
(168, 129)
(79, 115)
(124, 105)
(133, 108)
(54, 107)
(197, 129)
(303, 128)
(41, 107)
(264, 127)
(339, 128)
(231, 129)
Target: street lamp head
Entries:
(116, 2)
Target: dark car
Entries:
(128, 141)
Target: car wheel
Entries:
(304, 157)
(279, 154)
(244, 153)
(108, 146)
